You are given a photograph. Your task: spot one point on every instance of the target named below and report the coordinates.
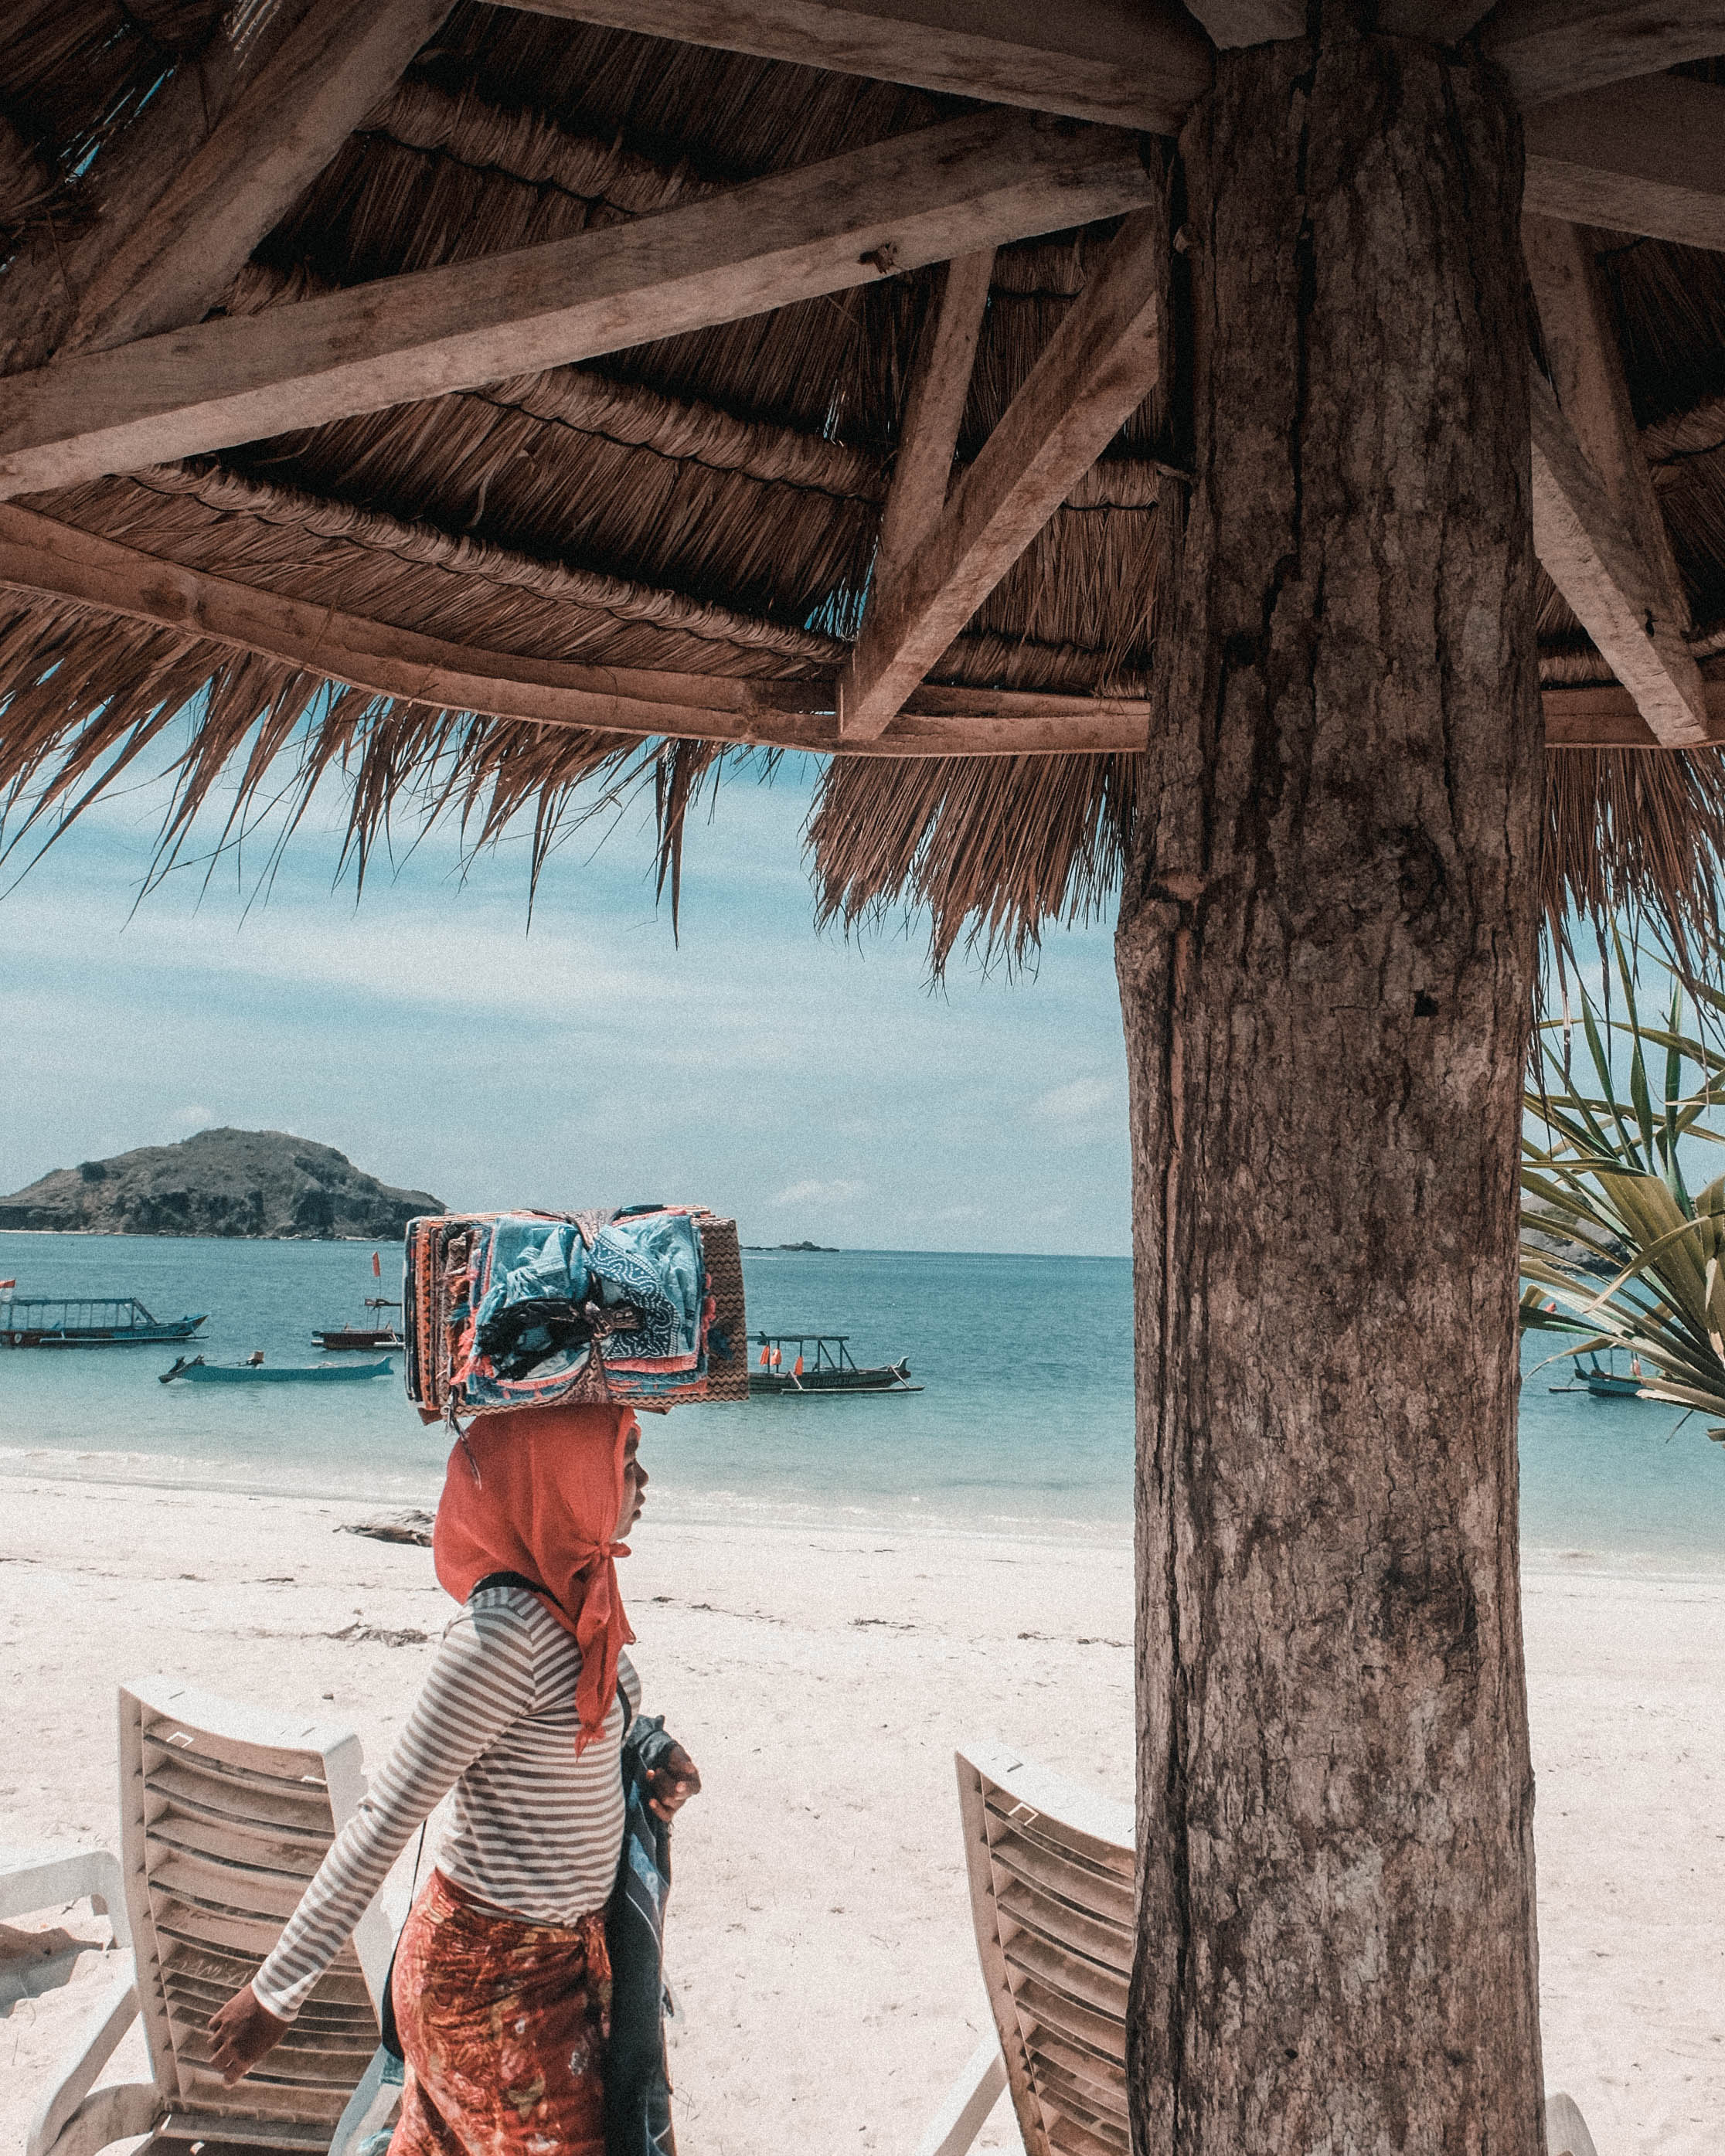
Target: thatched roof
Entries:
(706, 506)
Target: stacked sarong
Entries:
(508, 1309)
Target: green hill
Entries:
(220, 1183)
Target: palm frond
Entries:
(1616, 1252)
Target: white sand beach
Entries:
(821, 1675)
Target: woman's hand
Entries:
(673, 1783)
(243, 2031)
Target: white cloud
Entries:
(812, 1193)
(1079, 1101)
(194, 1117)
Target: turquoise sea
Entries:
(1025, 1422)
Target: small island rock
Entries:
(259, 1183)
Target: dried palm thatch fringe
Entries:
(1638, 836)
(997, 850)
(269, 734)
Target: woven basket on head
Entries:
(436, 1283)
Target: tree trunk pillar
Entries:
(1327, 952)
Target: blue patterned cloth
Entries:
(649, 1261)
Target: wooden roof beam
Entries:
(1645, 157)
(41, 558)
(1649, 163)
(1586, 362)
(1142, 63)
(1592, 557)
(1096, 368)
(1552, 49)
(953, 189)
(175, 261)
(1128, 63)
(188, 189)
(934, 410)
(1607, 718)
(51, 267)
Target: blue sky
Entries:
(812, 1087)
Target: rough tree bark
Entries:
(1326, 955)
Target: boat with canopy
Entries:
(381, 1332)
(820, 1368)
(119, 1321)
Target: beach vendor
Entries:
(520, 1716)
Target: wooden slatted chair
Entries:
(226, 1812)
(1051, 1891)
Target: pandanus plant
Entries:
(1617, 1252)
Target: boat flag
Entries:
(377, 1266)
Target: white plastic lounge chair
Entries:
(226, 1811)
(49, 1877)
(1050, 1869)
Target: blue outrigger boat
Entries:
(1608, 1383)
(198, 1372)
(114, 1320)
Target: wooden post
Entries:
(1326, 953)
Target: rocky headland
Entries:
(263, 1183)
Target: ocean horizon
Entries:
(1024, 1426)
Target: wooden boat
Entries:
(832, 1372)
(381, 1333)
(119, 1321)
(1605, 1384)
(198, 1372)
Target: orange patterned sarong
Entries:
(503, 2024)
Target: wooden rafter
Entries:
(934, 410)
(1142, 65)
(44, 558)
(173, 258)
(1586, 363)
(1642, 156)
(1096, 368)
(1120, 61)
(1645, 157)
(966, 184)
(1592, 558)
(1552, 49)
(52, 266)
(1607, 718)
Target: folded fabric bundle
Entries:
(519, 1309)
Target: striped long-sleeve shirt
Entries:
(536, 1831)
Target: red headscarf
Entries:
(537, 1491)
